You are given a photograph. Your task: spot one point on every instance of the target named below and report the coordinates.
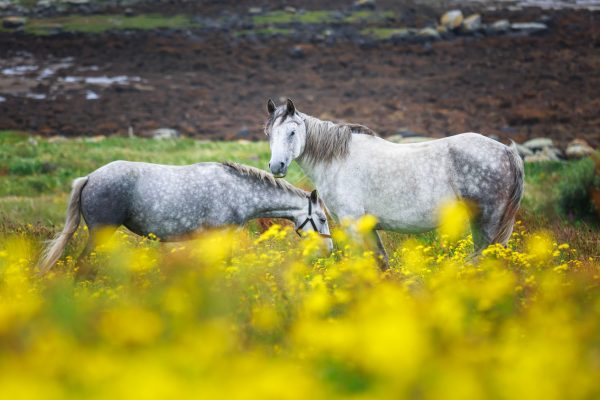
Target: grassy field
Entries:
(35, 178)
(264, 315)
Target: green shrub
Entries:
(573, 189)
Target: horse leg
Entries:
(485, 228)
(382, 257)
(85, 270)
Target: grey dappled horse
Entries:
(403, 185)
(173, 202)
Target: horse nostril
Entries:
(269, 165)
(282, 164)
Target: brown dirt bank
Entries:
(214, 85)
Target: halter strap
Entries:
(308, 219)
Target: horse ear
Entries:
(291, 108)
(271, 106)
(314, 196)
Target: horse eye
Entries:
(323, 220)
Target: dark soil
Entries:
(211, 84)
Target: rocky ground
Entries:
(392, 66)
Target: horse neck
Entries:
(276, 202)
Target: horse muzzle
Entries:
(278, 169)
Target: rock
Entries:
(129, 12)
(528, 27)
(472, 23)
(523, 151)
(13, 22)
(297, 52)
(501, 25)
(547, 154)
(32, 141)
(429, 33)
(243, 133)
(452, 19)
(95, 139)
(579, 148)
(290, 9)
(364, 5)
(165, 134)
(538, 144)
(255, 10)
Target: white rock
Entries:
(546, 154)
(538, 143)
(501, 25)
(452, 19)
(528, 26)
(165, 134)
(429, 33)
(523, 151)
(579, 148)
(472, 23)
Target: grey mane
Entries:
(264, 176)
(326, 141)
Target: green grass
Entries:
(385, 33)
(264, 32)
(318, 17)
(35, 179)
(102, 23)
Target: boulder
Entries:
(546, 154)
(579, 148)
(452, 19)
(364, 5)
(528, 27)
(297, 52)
(501, 25)
(472, 23)
(429, 33)
(13, 22)
(523, 151)
(165, 134)
(538, 144)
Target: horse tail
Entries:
(56, 246)
(516, 193)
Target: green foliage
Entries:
(102, 23)
(574, 189)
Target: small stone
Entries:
(452, 19)
(472, 23)
(528, 27)
(95, 139)
(129, 12)
(546, 154)
(243, 133)
(297, 52)
(538, 143)
(501, 25)
(165, 134)
(13, 22)
(290, 9)
(430, 33)
(255, 10)
(579, 148)
(364, 5)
